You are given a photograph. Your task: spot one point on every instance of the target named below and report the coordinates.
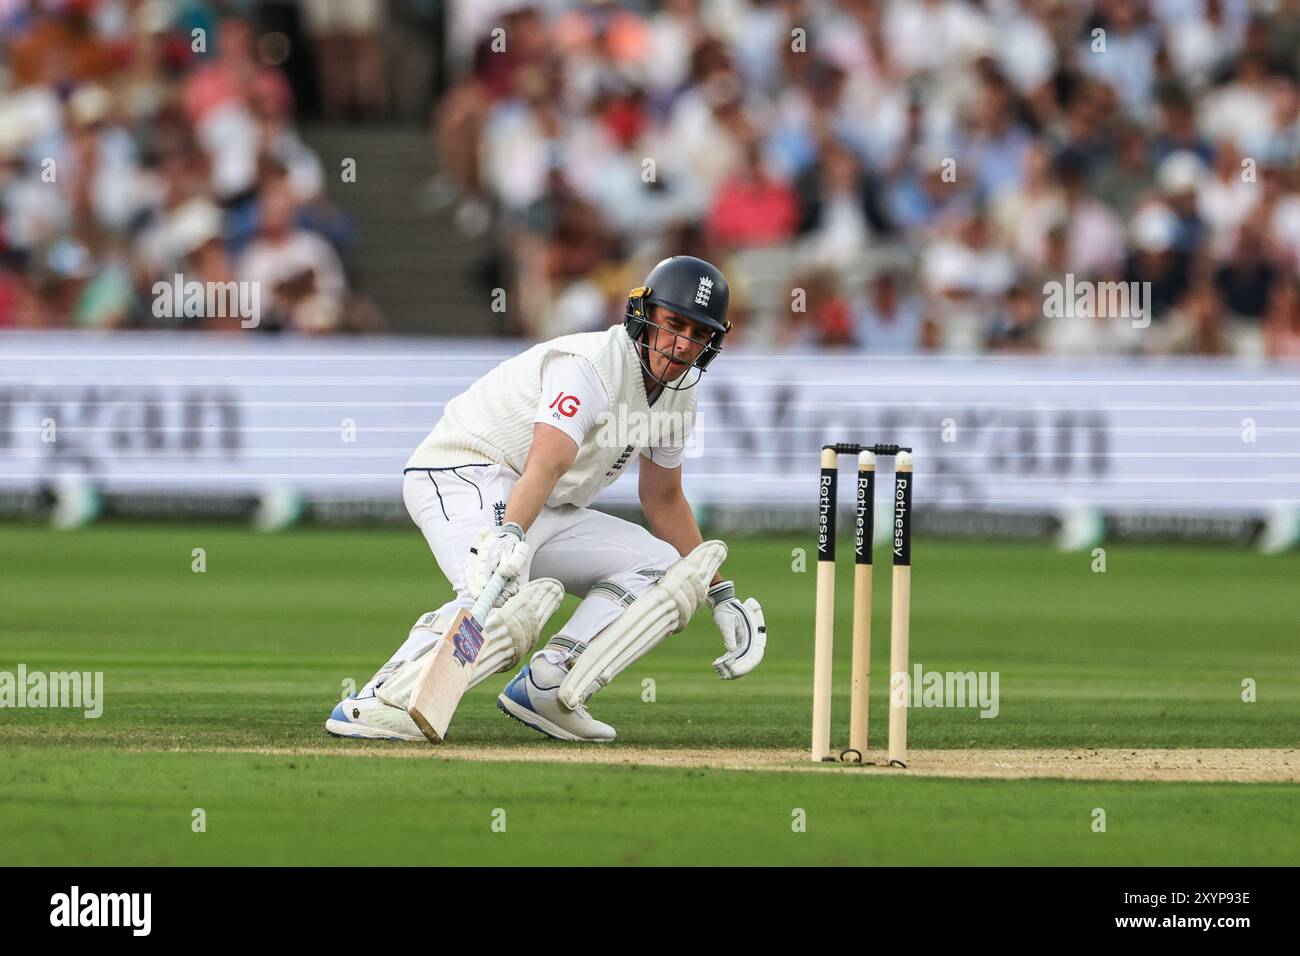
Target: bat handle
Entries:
(489, 597)
(506, 571)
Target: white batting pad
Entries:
(509, 634)
(663, 609)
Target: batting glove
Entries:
(494, 548)
(744, 633)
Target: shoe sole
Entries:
(534, 720)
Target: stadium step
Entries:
(420, 269)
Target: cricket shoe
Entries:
(532, 698)
(369, 717)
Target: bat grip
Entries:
(489, 597)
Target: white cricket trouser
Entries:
(579, 547)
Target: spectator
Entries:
(1196, 326)
(1179, 177)
(1245, 280)
(564, 242)
(144, 86)
(349, 56)
(1027, 54)
(1282, 322)
(608, 153)
(932, 35)
(708, 128)
(1087, 109)
(671, 37)
(68, 267)
(1019, 326)
(760, 35)
(277, 140)
(522, 138)
(1094, 232)
(1225, 198)
(1023, 217)
(1178, 130)
(19, 308)
(1156, 259)
(826, 321)
(101, 175)
(890, 323)
(203, 258)
(106, 297)
(928, 197)
(841, 208)
(59, 49)
(996, 142)
(1241, 109)
(1123, 177)
(753, 208)
(1281, 146)
(969, 264)
(298, 274)
(1201, 44)
(1127, 61)
(1279, 208)
(966, 275)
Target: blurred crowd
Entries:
(142, 140)
(893, 176)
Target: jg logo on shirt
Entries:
(567, 405)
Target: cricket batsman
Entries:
(505, 480)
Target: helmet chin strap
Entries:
(656, 388)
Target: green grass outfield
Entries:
(200, 669)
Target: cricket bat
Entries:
(449, 669)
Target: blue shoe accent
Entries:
(340, 711)
(517, 689)
(516, 693)
(545, 716)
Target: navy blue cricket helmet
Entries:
(690, 287)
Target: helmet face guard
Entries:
(690, 288)
(641, 326)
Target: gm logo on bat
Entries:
(467, 643)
